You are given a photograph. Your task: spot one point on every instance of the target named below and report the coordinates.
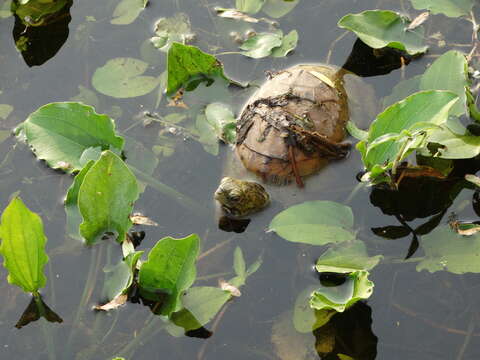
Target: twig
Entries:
(213, 249)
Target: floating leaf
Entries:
(23, 246)
(381, 28)
(186, 62)
(113, 304)
(451, 8)
(170, 30)
(453, 146)
(419, 20)
(140, 219)
(36, 12)
(5, 110)
(346, 258)
(289, 43)
(235, 14)
(123, 78)
(223, 122)
(261, 45)
(207, 138)
(60, 132)
(170, 269)
(279, 8)
(445, 250)
(106, 198)
(315, 222)
(449, 72)
(127, 11)
(355, 287)
(306, 319)
(249, 6)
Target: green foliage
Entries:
(120, 277)
(446, 250)
(222, 121)
(451, 8)
(289, 43)
(35, 12)
(279, 8)
(5, 110)
(59, 133)
(5, 9)
(315, 223)
(305, 318)
(123, 78)
(453, 146)
(186, 62)
(339, 298)
(346, 258)
(170, 269)
(23, 246)
(402, 128)
(264, 44)
(381, 28)
(170, 30)
(249, 6)
(127, 11)
(106, 197)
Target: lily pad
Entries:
(347, 258)
(123, 78)
(355, 287)
(261, 45)
(106, 198)
(170, 269)
(315, 223)
(451, 8)
(127, 11)
(23, 246)
(384, 28)
(170, 30)
(289, 43)
(446, 250)
(59, 133)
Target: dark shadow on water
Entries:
(35, 310)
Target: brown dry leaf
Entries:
(235, 14)
(229, 287)
(114, 304)
(323, 78)
(419, 20)
(140, 219)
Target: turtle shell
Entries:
(290, 126)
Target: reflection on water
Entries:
(413, 315)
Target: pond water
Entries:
(411, 314)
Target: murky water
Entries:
(411, 315)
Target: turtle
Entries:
(289, 129)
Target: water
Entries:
(414, 315)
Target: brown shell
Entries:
(294, 115)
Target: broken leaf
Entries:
(170, 30)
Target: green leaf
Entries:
(402, 90)
(222, 121)
(5, 9)
(306, 319)
(239, 263)
(347, 258)
(123, 78)
(201, 304)
(451, 8)
(23, 246)
(315, 222)
(279, 8)
(449, 72)
(60, 132)
(356, 287)
(445, 250)
(120, 277)
(186, 62)
(5, 110)
(170, 30)
(106, 198)
(170, 269)
(454, 146)
(261, 45)
(424, 107)
(357, 133)
(74, 218)
(381, 28)
(38, 12)
(207, 138)
(127, 11)
(289, 43)
(249, 6)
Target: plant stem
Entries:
(46, 330)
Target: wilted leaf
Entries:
(123, 78)
(60, 133)
(452, 8)
(356, 287)
(473, 179)
(106, 198)
(315, 222)
(381, 28)
(140, 219)
(170, 269)
(225, 286)
(112, 304)
(419, 20)
(23, 246)
(35, 310)
(235, 14)
(127, 11)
